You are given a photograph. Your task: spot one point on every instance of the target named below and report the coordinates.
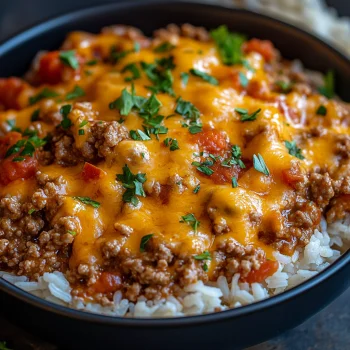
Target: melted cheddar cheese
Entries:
(190, 212)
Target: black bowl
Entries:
(232, 329)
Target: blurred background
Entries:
(329, 19)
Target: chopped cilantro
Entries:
(88, 201)
(284, 86)
(190, 112)
(235, 159)
(73, 233)
(229, 45)
(144, 241)
(81, 132)
(164, 47)
(31, 211)
(12, 124)
(191, 220)
(245, 116)
(293, 150)
(124, 103)
(172, 143)
(243, 79)
(75, 93)
(137, 46)
(91, 62)
(259, 164)
(66, 122)
(69, 59)
(328, 89)
(204, 76)
(204, 256)
(135, 72)
(184, 78)
(204, 167)
(234, 182)
(133, 185)
(45, 93)
(196, 189)
(139, 135)
(321, 110)
(35, 115)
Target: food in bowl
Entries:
(184, 174)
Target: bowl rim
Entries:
(9, 288)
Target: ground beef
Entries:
(24, 247)
(232, 257)
(321, 189)
(173, 31)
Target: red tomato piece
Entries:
(107, 283)
(267, 269)
(224, 174)
(91, 172)
(50, 68)
(10, 88)
(212, 141)
(264, 47)
(292, 176)
(11, 171)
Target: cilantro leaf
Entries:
(144, 241)
(245, 116)
(234, 182)
(164, 47)
(204, 76)
(75, 93)
(88, 201)
(139, 135)
(243, 80)
(35, 115)
(66, 122)
(45, 93)
(69, 59)
(133, 185)
(135, 72)
(172, 143)
(328, 89)
(184, 78)
(259, 164)
(204, 256)
(293, 150)
(196, 189)
(191, 220)
(229, 45)
(321, 110)
(124, 103)
(284, 86)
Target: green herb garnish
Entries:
(172, 143)
(204, 76)
(204, 256)
(139, 135)
(12, 124)
(259, 164)
(91, 62)
(245, 116)
(196, 189)
(144, 241)
(124, 103)
(229, 45)
(321, 110)
(243, 80)
(31, 211)
(191, 220)
(164, 47)
(235, 159)
(191, 113)
(135, 72)
(87, 201)
(328, 89)
(75, 93)
(69, 59)
(35, 115)
(293, 150)
(45, 93)
(184, 78)
(66, 122)
(73, 233)
(284, 86)
(133, 185)
(234, 182)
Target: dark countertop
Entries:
(328, 330)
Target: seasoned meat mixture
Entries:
(144, 165)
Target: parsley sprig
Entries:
(235, 159)
(293, 149)
(191, 220)
(245, 116)
(259, 164)
(69, 59)
(229, 45)
(133, 183)
(206, 77)
(191, 114)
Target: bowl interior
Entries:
(17, 53)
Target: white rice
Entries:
(325, 246)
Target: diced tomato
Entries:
(10, 170)
(259, 90)
(224, 174)
(264, 47)
(292, 176)
(91, 172)
(267, 269)
(10, 88)
(212, 141)
(50, 68)
(107, 283)
(289, 112)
